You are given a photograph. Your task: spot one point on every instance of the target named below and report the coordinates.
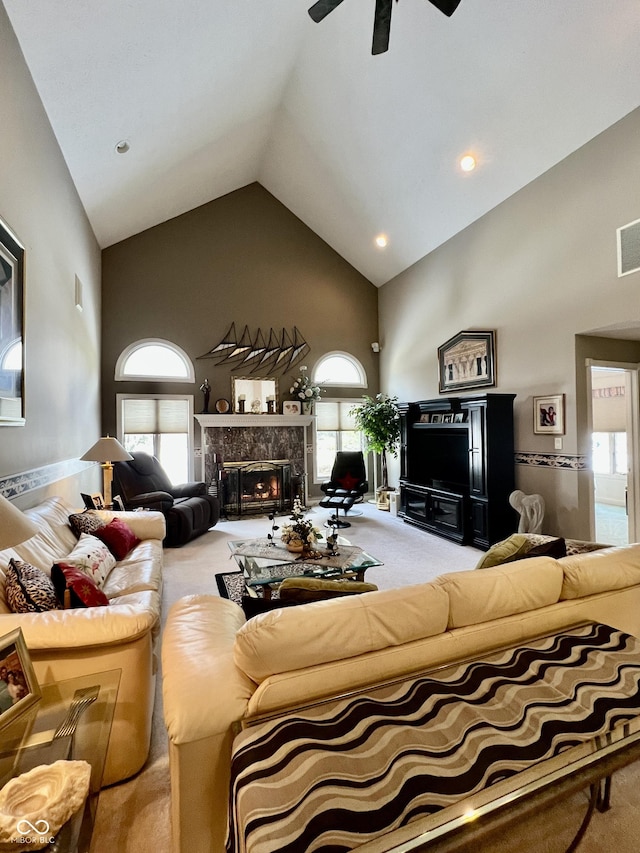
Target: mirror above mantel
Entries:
(253, 395)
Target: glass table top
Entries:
(264, 563)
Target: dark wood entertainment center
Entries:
(457, 467)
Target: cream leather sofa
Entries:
(219, 669)
(66, 643)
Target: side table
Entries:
(87, 704)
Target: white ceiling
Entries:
(213, 95)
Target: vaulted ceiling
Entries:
(212, 95)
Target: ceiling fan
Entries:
(382, 20)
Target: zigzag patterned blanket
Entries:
(344, 772)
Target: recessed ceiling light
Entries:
(122, 147)
(468, 163)
(382, 241)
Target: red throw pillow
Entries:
(82, 590)
(347, 482)
(118, 537)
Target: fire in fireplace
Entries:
(253, 488)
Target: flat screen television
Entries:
(439, 457)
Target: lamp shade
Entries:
(15, 527)
(106, 449)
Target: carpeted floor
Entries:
(134, 816)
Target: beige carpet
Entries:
(134, 816)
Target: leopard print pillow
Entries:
(28, 589)
(85, 522)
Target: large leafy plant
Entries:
(379, 420)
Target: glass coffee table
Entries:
(265, 564)
(71, 721)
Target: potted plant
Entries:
(379, 421)
(303, 389)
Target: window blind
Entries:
(149, 415)
(334, 416)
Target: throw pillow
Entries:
(556, 548)
(348, 482)
(118, 537)
(503, 552)
(92, 557)
(82, 591)
(28, 589)
(85, 522)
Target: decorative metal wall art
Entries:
(274, 352)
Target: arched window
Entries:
(12, 356)
(339, 368)
(154, 359)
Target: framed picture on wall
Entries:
(548, 415)
(11, 329)
(467, 360)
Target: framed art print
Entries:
(467, 360)
(291, 407)
(548, 415)
(19, 687)
(11, 329)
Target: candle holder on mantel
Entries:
(241, 407)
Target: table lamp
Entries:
(15, 526)
(106, 451)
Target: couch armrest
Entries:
(197, 655)
(189, 490)
(87, 627)
(158, 501)
(146, 525)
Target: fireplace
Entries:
(256, 488)
(282, 441)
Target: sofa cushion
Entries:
(83, 592)
(298, 637)
(600, 571)
(90, 556)
(28, 589)
(118, 537)
(508, 549)
(505, 590)
(85, 522)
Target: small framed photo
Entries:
(458, 418)
(94, 501)
(425, 419)
(436, 419)
(19, 688)
(548, 415)
(448, 418)
(291, 407)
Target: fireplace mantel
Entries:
(254, 420)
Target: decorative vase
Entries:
(307, 407)
(296, 546)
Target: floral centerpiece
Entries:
(304, 389)
(300, 534)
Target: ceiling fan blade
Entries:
(381, 26)
(446, 6)
(322, 8)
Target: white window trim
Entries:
(120, 376)
(351, 358)
(188, 397)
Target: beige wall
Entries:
(39, 202)
(539, 269)
(243, 258)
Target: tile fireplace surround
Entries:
(254, 438)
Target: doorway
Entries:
(614, 446)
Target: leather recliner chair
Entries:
(188, 509)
